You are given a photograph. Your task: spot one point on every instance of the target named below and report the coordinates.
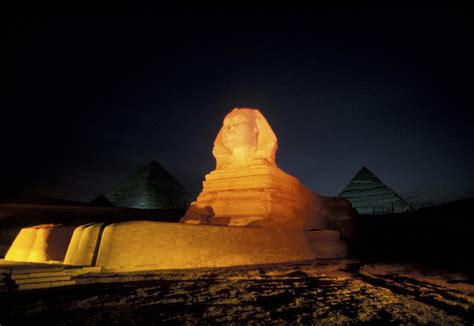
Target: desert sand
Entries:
(327, 292)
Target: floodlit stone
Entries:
(144, 245)
(247, 188)
(83, 245)
(41, 243)
(74, 244)
(249, 212)
(245, 139)
(22, 245)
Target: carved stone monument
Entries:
(249, 212)
(247, 188)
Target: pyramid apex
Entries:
(364, 171)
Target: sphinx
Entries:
(249, 212)
(247, 188)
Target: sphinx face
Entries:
(239, 132)
(245, 138)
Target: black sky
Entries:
(92, 98)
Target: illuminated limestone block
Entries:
(41, 243)
(84, 245)
(74, 244)
(259, 195)
(22, 245)
(144, 245)
(248, 189)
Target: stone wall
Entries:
(14, 217)
(84, 244)
(142, 245)
(41, 243)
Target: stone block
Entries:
(142, 245)
(82, 249)
(41, 243)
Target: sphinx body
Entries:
(247, 188)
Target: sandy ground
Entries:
(324, 292)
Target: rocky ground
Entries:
(324, 292)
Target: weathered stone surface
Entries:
(22, 245)
(142, 245)
(41, 243)
(245, 139)
(247, 188)
(74, 244)
(43, 285)
(84, 245)
(52, 278)
(259, 195)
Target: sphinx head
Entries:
(239, 131)
(244, 137)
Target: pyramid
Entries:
(151, 187)
(101, 201)
(369, 195)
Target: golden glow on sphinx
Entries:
(245, 139)
(247, 188)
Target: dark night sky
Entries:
(91, 99)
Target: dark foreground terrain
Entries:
(324, 292)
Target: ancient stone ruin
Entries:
(249, 212)
(369, 195)
(41, 243)
(150, 187)
(247, 188)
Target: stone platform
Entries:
(142, 245)
(27, 276)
